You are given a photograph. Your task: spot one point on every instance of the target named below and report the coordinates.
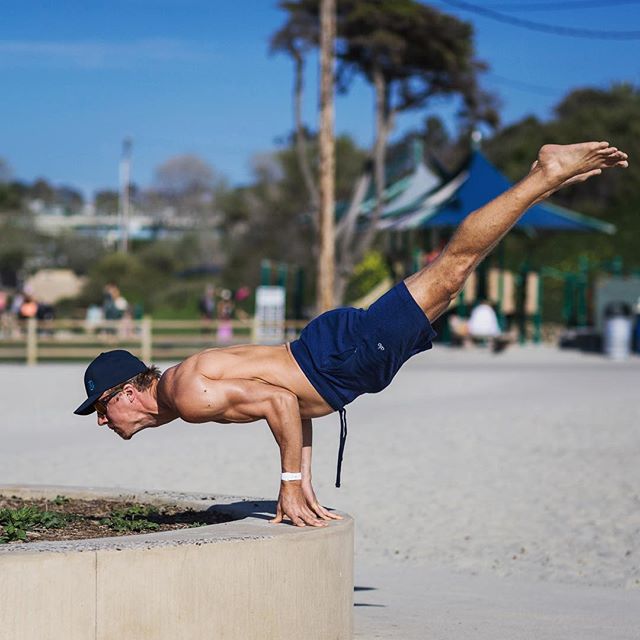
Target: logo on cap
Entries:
(91, 385)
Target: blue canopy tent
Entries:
(473, 185)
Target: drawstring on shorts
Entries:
(343, 440)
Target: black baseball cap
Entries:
(108, 370)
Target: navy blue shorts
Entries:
(347, 352)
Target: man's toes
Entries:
(589, 174)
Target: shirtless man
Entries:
(339, 355)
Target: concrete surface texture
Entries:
(240, 579)
(472, 478)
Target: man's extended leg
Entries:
(435, 286)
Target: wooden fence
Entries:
(34, 341)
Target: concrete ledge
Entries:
(244, 579)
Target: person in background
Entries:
(4, 304)
(116, 307)
(481, 328)
(225, 314)
(28, 308)
(207, 307)
(483, 322)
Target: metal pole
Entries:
(32, 341)
(146, 344)
(265, 273)
(125, 182)
(522, 300)
(283, 270)
(537, 317)
(567, 302)
(582, 284)
(501, 318)
(326, 256)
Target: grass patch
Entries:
(63, 518)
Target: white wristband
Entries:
(290, 476)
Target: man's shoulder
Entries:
(203, 366)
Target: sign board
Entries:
(270, 315)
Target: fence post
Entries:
(32, 341)
(145, 338)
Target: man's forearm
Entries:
(285, 424)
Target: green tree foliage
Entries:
(106, 202)
(149, 277)
(11, 196)
(69, 199)
(19, 242)
(584, 114)
(11, 191)
(42, 190)
(419, 51)
(65, 250)
(368, 273)
(272, 219)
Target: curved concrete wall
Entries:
(242, 580)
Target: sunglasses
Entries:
(101, 405)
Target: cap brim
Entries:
(87, 408)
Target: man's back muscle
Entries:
(273, 365)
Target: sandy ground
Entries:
(494, 496)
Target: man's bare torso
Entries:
(271, 365)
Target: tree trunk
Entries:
(326, 259)
(383, 126)
(345, 234)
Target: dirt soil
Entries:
(83, 517)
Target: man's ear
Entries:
(129, 391)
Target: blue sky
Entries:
(195, 76)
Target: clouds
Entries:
(101, 54)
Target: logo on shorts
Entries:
(380, 346)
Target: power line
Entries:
(525, 86)
(555, 6)
(546, 28)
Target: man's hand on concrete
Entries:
(293, 505)
(312, 501)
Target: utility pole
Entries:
(125, 183)
(326, 257)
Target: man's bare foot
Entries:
(569, 164)
(564, 162)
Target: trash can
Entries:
(636, 329)
(617, 330)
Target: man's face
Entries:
(119, 409)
